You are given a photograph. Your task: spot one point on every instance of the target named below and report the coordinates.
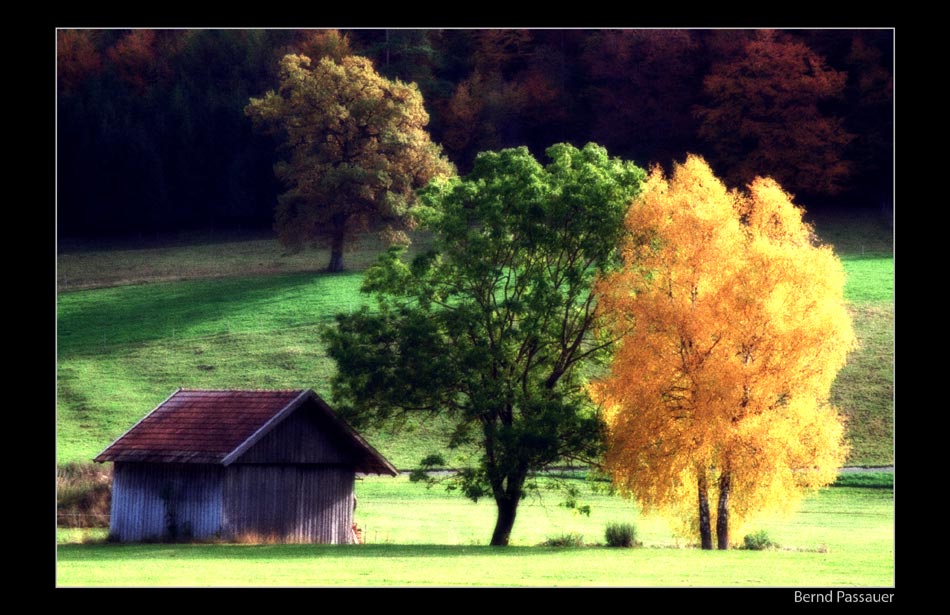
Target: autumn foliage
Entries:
(766, 113)
(152, 135)
(135, 58)
(735, 330)
(76, 57)
(355, 145)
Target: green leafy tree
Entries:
(494, 324)
(356, 149)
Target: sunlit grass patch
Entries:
(839, 537)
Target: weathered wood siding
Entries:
(289, 503)
(300, 438)
(294, 485)
(154, 500)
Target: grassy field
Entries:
(864, 389)
(229, 321)
(187, 256)
(123, 350)
(841, 536)
(854, 232)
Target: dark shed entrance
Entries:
(274, 465)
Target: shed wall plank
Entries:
(301, 438)
(289, 503)
(150, 499)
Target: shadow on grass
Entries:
(134, 551)
(854, 231)
(90, 320)
(866, 480)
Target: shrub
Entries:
(571, 539)
(83, 495)
(759, 541)
(620, 535)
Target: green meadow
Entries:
(841, 536)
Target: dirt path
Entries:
(857, 469)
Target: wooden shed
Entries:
(269, 464)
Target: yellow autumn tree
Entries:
(734, 329)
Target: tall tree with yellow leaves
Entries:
(737, 329)
(356, 149)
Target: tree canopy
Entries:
(152, 134)
(356, 149)
(739, 327)
(766, 113)
(492, 326)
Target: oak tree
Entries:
(356, 149)
(721, 390)
(492, 326)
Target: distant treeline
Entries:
(152, 134)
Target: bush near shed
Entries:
(83, 495)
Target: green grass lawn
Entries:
(83, 265)
(841, 536)
(870, 280)
(864, 389)
(122, 350)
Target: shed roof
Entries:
(217, 427)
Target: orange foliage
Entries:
(483, 105)
(734, 329)
(764, 115)
(461, 114)
(501, 50)
(316, 44)
(874, 82)
(135, 58)
(76, 57)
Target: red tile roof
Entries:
(218, 426)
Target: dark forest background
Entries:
(152, 134)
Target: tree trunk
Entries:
(705, 534)
(507, 509)
(336, 253)
(722, 514)
(507, 494)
